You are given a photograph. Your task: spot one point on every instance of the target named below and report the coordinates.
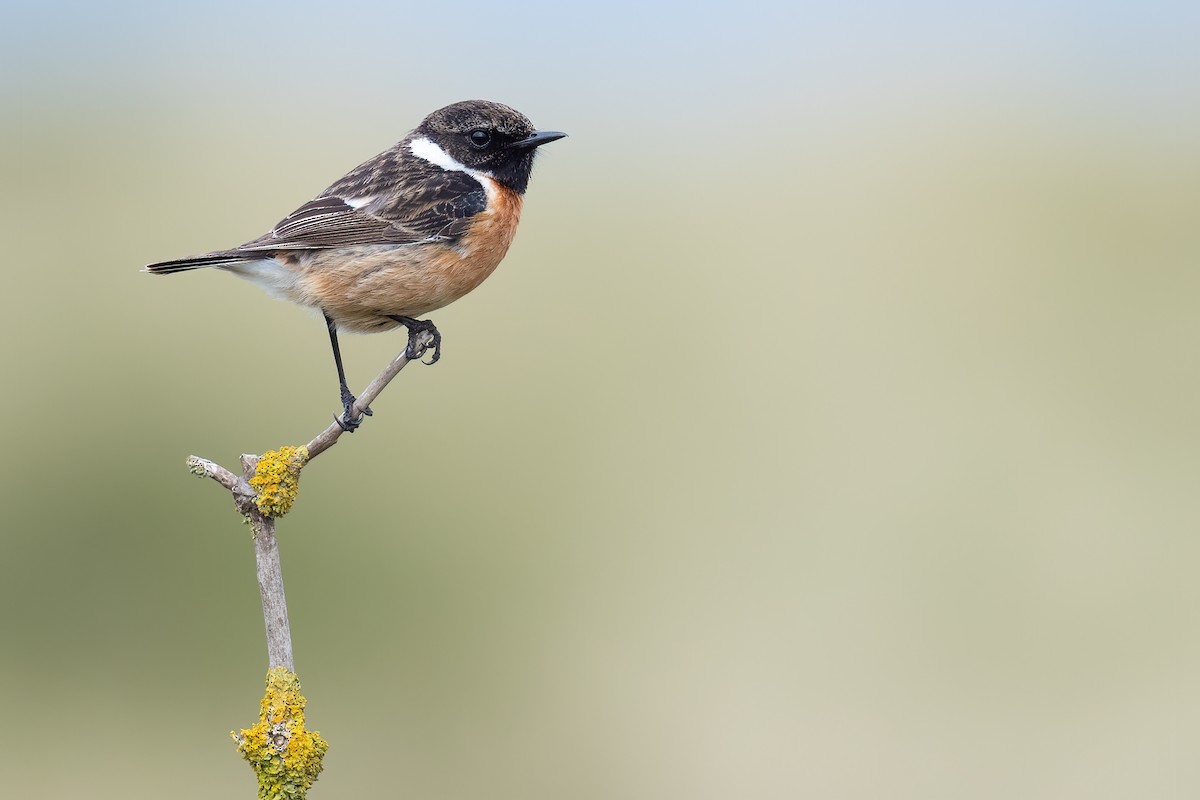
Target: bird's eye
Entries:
(480, 138)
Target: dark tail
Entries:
(211, 260)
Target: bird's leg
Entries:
(346, 421)
(416, 326)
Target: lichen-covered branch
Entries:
(270, 576)
(285, 757)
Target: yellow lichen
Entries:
(276, 479)
(284, 755)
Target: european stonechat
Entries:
(408, 232)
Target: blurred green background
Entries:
(829, 430)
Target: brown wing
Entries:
(437, 209)
(332, 222)
(387, 200)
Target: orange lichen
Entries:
(276, 480)
(285, 756)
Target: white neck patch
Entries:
(432, 152)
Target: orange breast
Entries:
(358, 287)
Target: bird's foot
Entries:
(412, 352)
(348, 421)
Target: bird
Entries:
(401, 235)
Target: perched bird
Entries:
(412, 230)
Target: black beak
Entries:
(538, 138)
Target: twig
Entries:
(211, 469)
(328, 437)
(266, 548)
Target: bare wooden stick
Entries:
(270, 587)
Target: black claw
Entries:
(348, 401)
(415, 326)
(346, 421)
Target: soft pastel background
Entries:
(829, 432)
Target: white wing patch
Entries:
(432, 152)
